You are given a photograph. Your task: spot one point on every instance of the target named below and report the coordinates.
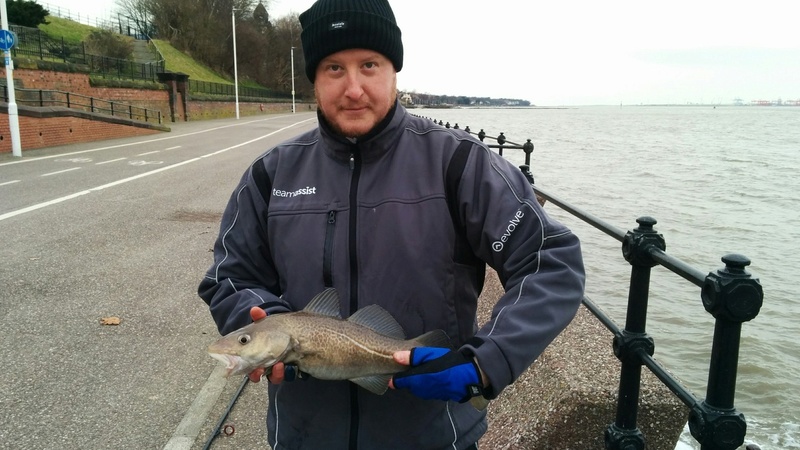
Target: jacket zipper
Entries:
(327, 257)
(355, 168)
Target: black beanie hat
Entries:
(330, 26)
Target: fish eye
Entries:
(244, 339)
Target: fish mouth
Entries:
(233, 364)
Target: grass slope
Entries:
(180, 62)
(74, 33)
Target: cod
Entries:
(323, 345)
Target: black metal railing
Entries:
(118, 22)
(229, 90)
(44, 98)
(34, 43)
(731, 295)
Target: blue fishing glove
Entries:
(442, 374)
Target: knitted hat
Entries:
(330, 26)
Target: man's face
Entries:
(355, 89)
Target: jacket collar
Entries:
(372, 146)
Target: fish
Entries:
(322, 344)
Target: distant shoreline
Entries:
(631, 105)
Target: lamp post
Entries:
(235, 69)
(13, 113)
(293, 107)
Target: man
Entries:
(392, 210)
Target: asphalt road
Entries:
(121, 229)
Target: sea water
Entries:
(719, 180)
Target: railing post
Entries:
(633, 341)
(68, 102)
(528, 149)
(501, 140)
(481, 135)
(732, 296)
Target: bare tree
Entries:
(203, 29)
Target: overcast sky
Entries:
(584, 52)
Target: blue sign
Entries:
(7, 40)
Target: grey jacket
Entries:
(388, 221)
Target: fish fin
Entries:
(326, 303)
(480, 402)
(378, 320)
(435, 338)
(377, 384)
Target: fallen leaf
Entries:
(110, 321)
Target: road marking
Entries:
(144, 163)
(110, 161)
(9, 182)
(60, 171)
(173, 148)
(75, 160)
(148, 153)
(195, 417)
(20, 161)
(28, 209)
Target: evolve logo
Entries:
(341, 25)
(304, 191)
(498, 245)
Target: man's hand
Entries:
(438, 373)
(279, 372)
(276, 375)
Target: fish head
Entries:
(250, 347)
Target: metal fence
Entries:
(34, 43)
(118, 22)
(42, 98)
(731, 295)
(222, 89)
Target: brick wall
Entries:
(40, 132)
(78, 83)
(48, 132)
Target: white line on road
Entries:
(173, 148)
(9, 182)
(28, 209)
(60, 171)
(110, 161)
(148, 153)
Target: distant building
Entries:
(406, 99)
